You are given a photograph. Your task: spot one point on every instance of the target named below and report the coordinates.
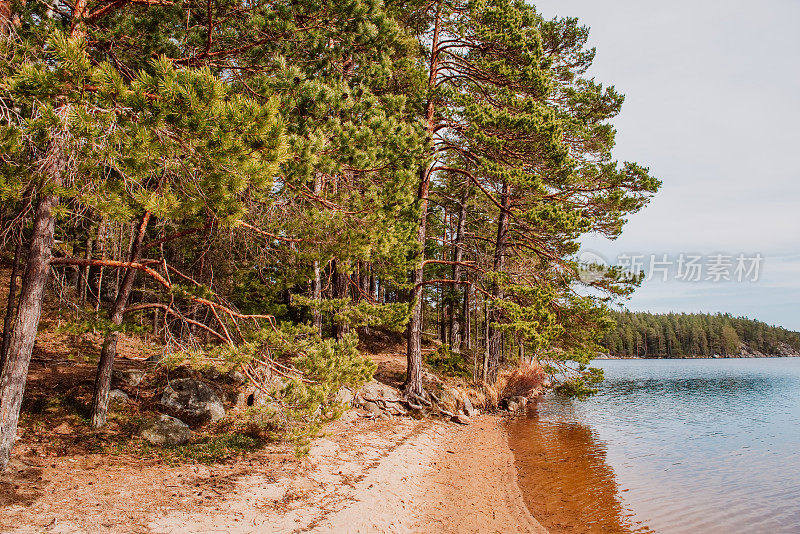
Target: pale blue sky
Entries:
(713, 108)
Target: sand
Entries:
(401, 475)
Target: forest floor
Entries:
(362, 475)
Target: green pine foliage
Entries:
(279, 160)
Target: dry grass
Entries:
(524, 381)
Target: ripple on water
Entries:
(668, 446)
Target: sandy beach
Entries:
(398, 475)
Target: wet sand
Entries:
(565, 480)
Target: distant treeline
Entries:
(674, 335)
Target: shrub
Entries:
(445, 362)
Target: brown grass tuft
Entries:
(524, 381)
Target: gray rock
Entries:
(213, 374)
(515, 403)
(344, 396)
(193, 401)
(117, 396)
(157, 357)
(468, 409)
(167, 431)
(237, 377)
(252, 397)
(375, 391)
(373, 408)
(129, 377)
(461, 419)
(431, 379)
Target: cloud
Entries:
(712, 109)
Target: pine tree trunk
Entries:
(26, 324)
(413, 382)
(12, 296)
(495, 335)
(102, 384)
(85, 272)
(363, 280)
(37, 268)
(458, 256)
(317, 296)
(341, 290)
(363, 283)
(101, 254)
(467, 338)
(5, 16)
(485, 366)
(317, 289)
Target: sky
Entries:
(713, 109)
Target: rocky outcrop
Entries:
(453, 401)
(344, 396)
(166, 431)
(379, 400)
(515, 403)
(382, 401)
(192, 401)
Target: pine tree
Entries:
(507, 108)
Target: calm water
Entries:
(673, 446)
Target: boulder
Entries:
(117, 396)
(449, 400)
(378, 399)
(192, 401)
(156, 357)
(515, 403)
(375, 391)
(236, 377)
(349, 416)
(344, 396)
(373, 408)
(129, 377)
(166, 431)
(431, 380)
(249, 397)
(467, 407)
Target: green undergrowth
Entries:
(447, 363)
(204, 449)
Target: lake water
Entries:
(672, 446)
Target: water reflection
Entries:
(682, 446)
(567, 484)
